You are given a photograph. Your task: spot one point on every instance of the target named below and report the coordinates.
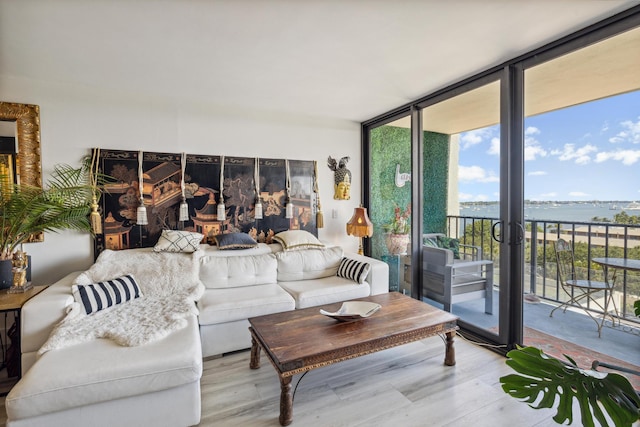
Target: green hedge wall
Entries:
(391, 146)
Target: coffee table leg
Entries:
(255, 354)
(286, 401)
(450, 352)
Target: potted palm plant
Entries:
(25, 211)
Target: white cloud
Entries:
(537, 173)
(481, 198)
(532, 147)
(630, 133)
(580, 156)
(531, 130)
(494, 149)
(533, 151)
(465, 196)
(605, 127)
(476, 174)
(474, 137)
(578, 194)
(627, 157)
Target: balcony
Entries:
(542, 290)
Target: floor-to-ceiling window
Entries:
(582, 153)
(461, 172)
(490, 163)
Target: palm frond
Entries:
(26, 210)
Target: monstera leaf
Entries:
(545, 379)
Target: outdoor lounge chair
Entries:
(448, 280)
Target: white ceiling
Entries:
(342, 59)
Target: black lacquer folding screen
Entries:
(162, 196)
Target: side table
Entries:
(12, 354)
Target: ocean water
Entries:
(577, 212)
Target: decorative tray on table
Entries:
(353, 310)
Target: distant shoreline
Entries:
(550, 202)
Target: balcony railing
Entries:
(590, 240)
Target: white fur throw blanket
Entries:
(170, 287)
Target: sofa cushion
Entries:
(261, 248)
(178, 241)
(228, 305)
(101, 370)
(234, 241)
(298, 239)
(232, 272)
(327, 290)
(101, 295)
(353, 270)
(308, 264)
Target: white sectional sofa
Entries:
(101, 383)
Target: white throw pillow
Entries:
(178, 241)
(298, 239)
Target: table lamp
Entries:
(360, 226)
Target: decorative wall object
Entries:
(401, 178)
(26, 152)
(341, 178)
(162, 192)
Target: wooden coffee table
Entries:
(301, 340)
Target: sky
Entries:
(586, 152)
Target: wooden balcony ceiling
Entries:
(600, 70)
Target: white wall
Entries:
(75, 119)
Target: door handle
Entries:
(496, 237)
(520, 237)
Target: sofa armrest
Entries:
(378, 277)
(42, 312)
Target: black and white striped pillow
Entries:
(101, 295)
(353, 270)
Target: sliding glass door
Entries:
(460, 157)
(461, 213)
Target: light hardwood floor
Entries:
(404, 386)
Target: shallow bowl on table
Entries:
(353, 310)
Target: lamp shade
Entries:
(359, 225)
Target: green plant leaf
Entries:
(26, 210)
(545, 380)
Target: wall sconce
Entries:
(360, 226)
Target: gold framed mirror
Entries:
(28, 165)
